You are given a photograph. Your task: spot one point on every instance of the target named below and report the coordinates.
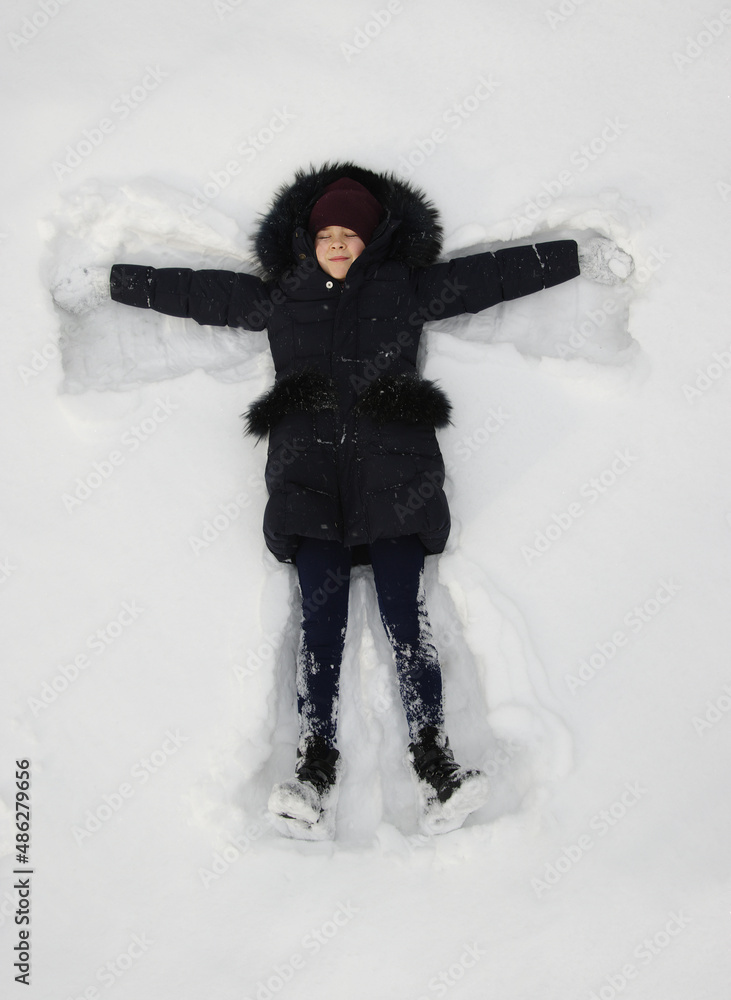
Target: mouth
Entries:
(334, 260)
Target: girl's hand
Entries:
(600, 259)
(81, 289)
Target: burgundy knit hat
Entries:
(348, 204)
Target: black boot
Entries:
(317, 763)
(448, 792)
(305, 806)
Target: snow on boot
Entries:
(447, 792)
(304, 808)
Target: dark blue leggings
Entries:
(324, 575)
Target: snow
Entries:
(587, 672)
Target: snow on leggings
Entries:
(324, 576)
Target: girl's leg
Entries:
(398, 566)
(447, 792)
(324, 576)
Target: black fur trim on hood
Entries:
(407, 398)
(306, 389)
(417, 242)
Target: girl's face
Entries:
(336, 249)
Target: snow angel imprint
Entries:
(349, 274)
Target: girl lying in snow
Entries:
(354, 472)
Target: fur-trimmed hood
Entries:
(416, 240)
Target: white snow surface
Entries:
(581, 607)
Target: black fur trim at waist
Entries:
(407, 398)
(307, 389)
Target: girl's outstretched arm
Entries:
(470, 284)
(210, 297)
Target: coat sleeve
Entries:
(470, 284)
(211, 298)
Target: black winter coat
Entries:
(353, 453)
